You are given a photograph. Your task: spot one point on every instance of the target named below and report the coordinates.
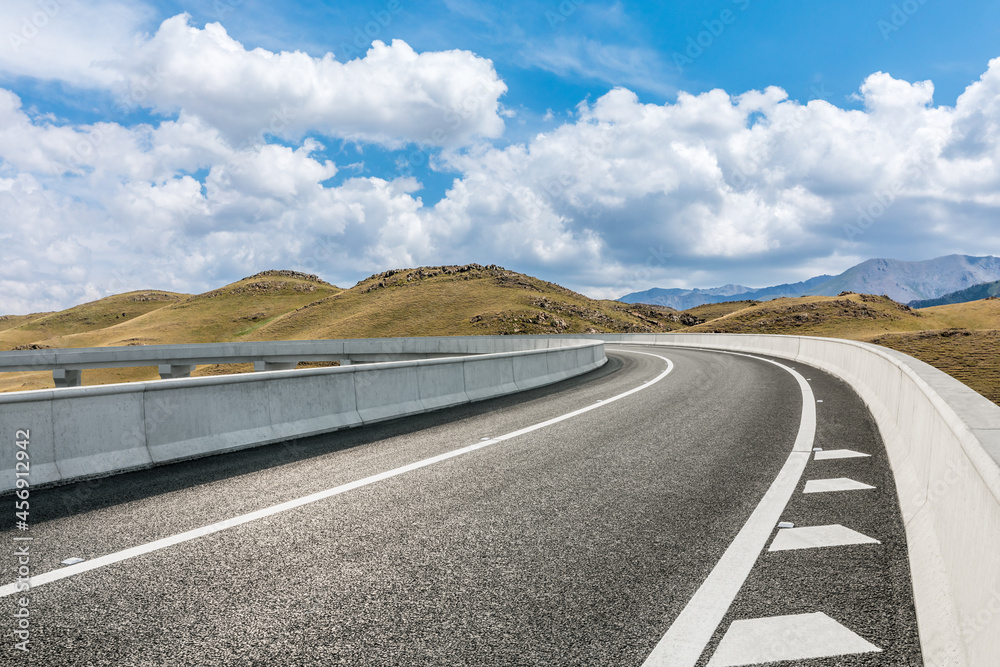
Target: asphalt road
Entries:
(575, 544)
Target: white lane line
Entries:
(779, 638)
(690, 633)
(818, 537)
(119, 556)
(836, 484)
(838, 454)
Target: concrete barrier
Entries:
(82, 432)
(83, 418)
(393, 390)
(943, 442)
(20, 413)
(489, 375)
(176, 358)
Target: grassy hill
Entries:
(96, 316)
(459, 300)
(960, 339)
(285, 305)
(970, 356)
(850, 315)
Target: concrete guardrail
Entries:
(943, 441)
(81, 432)
(175, 361)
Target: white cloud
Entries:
(627, 195)
(44, 39)
(392, 95)
(126, 214)
(736, 183)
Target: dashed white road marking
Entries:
(691, 631)
(815, 537)
(126, 554)
(838, 454)
(795, 637)
(781, 638)
(836, 484)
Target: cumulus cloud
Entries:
(43, 39)
(637, 194)
(704, 190)
(393, 95)
(95, 209)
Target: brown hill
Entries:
(285, 305)
(459, 300)
(472, 299)
(962, 339)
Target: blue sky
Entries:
(182, 145)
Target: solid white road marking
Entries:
(837, 454)
(691, 631)
(836, 484)
(795, 637)
(117, 557)
(814, 537)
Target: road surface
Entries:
(601, 521)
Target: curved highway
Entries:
(578, 524)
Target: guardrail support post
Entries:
(168, 371)
(66, 378)
(274, 365)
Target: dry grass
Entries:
(100, 316)
(432, 301)
(713, 311)
(473, 299)
(853, 316)
(458, 300)
(972, 357)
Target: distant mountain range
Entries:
(974, 293)
(902, 281)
